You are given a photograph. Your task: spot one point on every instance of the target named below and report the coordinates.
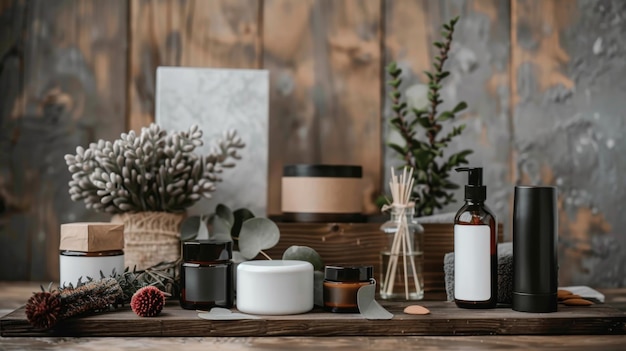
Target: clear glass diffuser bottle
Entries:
(403, 258)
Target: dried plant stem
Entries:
(265, 255)
(46, 309)
(406, 275)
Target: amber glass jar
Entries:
(341, 284)
(206, 274)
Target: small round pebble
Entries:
(416, 309)
(577, 302)
(562, 293)
(572, 296)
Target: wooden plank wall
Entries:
(543, 80)
(325, 69)
(63, 84)
(196, 33)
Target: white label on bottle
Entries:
(472, 262)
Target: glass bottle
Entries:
(402, 260)
(475, 247)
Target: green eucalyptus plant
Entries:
(251, 235)
(424, 150)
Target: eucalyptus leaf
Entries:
(221, 229)
(241, 215)
(304, 253)
(226, 214)
(257, 234)
(318, 288)
(224, 314)
(192, 228)
(238, 257)
(368, 306)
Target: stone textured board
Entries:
(218, 100)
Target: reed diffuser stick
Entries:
(395, 248)
(401, 187)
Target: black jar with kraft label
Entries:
(206, 274)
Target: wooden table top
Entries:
(14, 295)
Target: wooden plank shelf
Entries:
(445, 319)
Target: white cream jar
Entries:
(275, 287)
(86, 249)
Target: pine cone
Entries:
(147, 301)
(43, 309)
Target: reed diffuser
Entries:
(403, 258)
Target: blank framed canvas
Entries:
(218, 100)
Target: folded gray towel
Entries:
(505, 273)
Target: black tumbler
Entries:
(535, 262)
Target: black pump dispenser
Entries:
(475, 191)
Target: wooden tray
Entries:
(445, 319)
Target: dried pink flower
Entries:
(147, 301)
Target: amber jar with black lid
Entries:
(341, 284)
(206, 274)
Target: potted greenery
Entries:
(423, 147)
(147, 182)
(425, 151)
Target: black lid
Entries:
(207, 250)
(475, 191)
(334, 171)
(348, 273)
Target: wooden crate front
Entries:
(361, 243)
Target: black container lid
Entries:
(348, 273)
(207, 250)
(331, 171)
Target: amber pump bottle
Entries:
(475, 247)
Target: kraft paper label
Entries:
(321, 195)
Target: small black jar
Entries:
(206, 274)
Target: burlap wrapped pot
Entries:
(150, 237)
